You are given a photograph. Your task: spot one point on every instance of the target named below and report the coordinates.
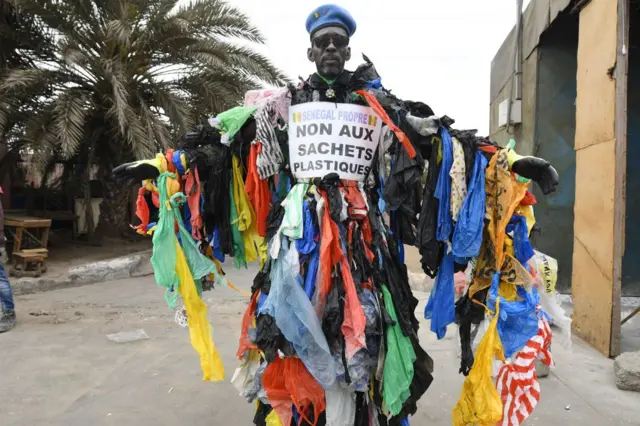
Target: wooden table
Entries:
(23, 258)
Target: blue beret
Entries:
(330, 15)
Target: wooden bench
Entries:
(59, 216)
(29, 263)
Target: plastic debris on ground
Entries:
(128, 336)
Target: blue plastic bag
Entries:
(467, 236)
(215, 245)
(441, 308)
(443, 189)
(521, 244)
(295, 316)
(307, 243)
(518, 321)
(312, 273)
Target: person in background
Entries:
(8, 318)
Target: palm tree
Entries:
(127, 76)
(22, 43)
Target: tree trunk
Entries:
(86, 186)
(114, 210)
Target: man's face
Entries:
(329, 50)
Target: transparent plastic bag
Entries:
(296, 318)
(559, 318)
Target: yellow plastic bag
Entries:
(273, 419)
(199, 327)
(527, 212)
(247, 222)
(479, 402)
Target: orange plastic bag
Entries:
(142, 212)
(330, 254)
(192, 189)
(380, 112)
(258, 190)
(355, 322)
(288, 383)
(245, 343)
(504, 194)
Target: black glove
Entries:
(136, 172)
(539, 171)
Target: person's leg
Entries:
(8, 318)
(6, 296)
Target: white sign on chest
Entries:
(325, 138)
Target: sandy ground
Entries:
(58, 368)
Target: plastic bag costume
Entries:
(329, 335)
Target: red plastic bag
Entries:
(245, 343)
(257, 190)
(288, 383)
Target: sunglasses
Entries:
(323, 41)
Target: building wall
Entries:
(630, 263)
(550, 39)
(593, 246)
(523, 133)
(536, 18)
(555, 126)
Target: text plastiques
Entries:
(328, 138)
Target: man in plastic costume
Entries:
(322, 185)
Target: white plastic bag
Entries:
(560, 322)
(341, 407)
(245, 375)
(128, 336)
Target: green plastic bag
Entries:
(163, 259)
(398, 364)
(232, 120)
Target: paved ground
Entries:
(58, 368)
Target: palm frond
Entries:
(72, 54)
(215, 18)
(138, 139)
(175, 107)
(245, 60)
(129, 72)
(146, 147)
(40, 138)
(206, 52)
(70, 111)
(118, 30)
(22, 79)
(119, 93)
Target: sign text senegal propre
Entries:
(325, 138)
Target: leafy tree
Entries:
(124, 77)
